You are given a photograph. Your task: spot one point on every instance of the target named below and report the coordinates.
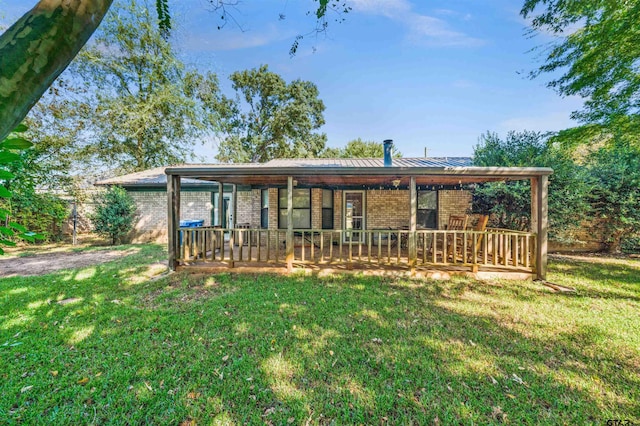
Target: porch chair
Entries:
(480, 226)
(456, 223)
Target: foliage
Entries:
(319, 350)
(597, 53)
(141, 107)
(358, 148)
(615, 177)
(10, 148)
(114, 214)
(510, 203)
(42, 213)
(270, 118)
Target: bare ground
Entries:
(44, 263)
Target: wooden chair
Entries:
(456, 223)
(480, 226)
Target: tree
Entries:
(270, 118)
(509, 203)
(597, 53)
(114, 214)
(141, 108)
(615, 194)
(358, 148)
(42, 43)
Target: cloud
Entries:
(422, 29)
(542, 123)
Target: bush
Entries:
(114, 214)
(41, 213)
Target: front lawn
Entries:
(103, 344)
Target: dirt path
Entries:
(40, 264)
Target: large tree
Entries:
(42, 43)
(271, 118)
(596, 55)
(357, 148)
(141, 107)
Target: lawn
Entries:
(105, 344)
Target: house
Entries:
(199, 201)
(370, 214)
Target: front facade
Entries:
(354, 213)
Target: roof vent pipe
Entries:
(388, 144)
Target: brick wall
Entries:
(450, 202)
(387, 209)
(151, 224)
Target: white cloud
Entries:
(542, 123)
(423, 29)
(233, 40)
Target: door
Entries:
(227, 212)
(354, 217)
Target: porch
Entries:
(355, 241)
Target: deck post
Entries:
(173, 219)
(289, 241)
(413, 221)
(221, 205)
(234, 210)
(540, 222)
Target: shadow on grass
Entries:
(296, 350)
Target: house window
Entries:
(327, 209)
(264, 209)
(301, 208)
(428, 209)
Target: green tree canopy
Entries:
(141, 107)
(270, 118)
(509, 203)
(358, 148)
(597, 55)
(44, 41)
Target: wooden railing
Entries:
(498, 248)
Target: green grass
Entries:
(243, 349)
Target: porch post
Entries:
(221, 205)
(289, 248)
(413, 220)
(540, 222)
(235, 205)
(173, 219)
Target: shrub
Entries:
(114, 214)
(40, 213)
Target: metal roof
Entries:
(370, 162)
(149, 178)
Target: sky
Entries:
(428, 74)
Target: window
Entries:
(301, 208)
(428, 209)
(264, 209)
(327, 209)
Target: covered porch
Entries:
(348, 247)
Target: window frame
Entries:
(281, 208)
(264, 211)
(332, 209)
(437, 195)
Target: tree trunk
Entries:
(37, 48)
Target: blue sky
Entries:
(432, 74)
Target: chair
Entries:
(480, 226)
(457, 223)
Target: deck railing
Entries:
(499, 248)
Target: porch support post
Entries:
(540, 222)
(173, 219)
(413, 221)
(221, 204)
(289, 242)
(235, 205)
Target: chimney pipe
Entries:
(388, 144)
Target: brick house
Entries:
(356, 214)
